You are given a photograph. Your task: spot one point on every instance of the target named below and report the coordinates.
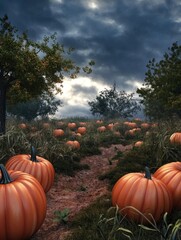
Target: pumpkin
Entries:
(110, 126)
(99, 121)
(72, 125)
(81, 130)
(22, 126)
(170, 174)
(37, 166)
(143, 192)
(46, 125)
(175, 138)
(73, 144)
(82, 124)
(138, 144)
(145, 125)
(22, 205)
(101, 129)
(58, 132)
(131, 124)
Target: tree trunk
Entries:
(2, 110)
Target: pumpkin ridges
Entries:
(170, 174)
(115, 191)
(130, 201)
(24, 228)
(22, 206)
(24, 163)
(37, 197)
(147, 195)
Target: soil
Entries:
(77, 192)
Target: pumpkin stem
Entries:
(33, 154)
(5, 178)
(147, 173)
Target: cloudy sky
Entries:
(121, 36)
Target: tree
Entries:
(111, 103)
(41, 106)
(28, 68)
(161, 91)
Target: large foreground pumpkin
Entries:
(37, 166)
(170, 174)
(22, 205)
(143, 192)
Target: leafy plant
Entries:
(61, 216)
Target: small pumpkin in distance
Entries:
(46, 125)
(73, 144)
(101, 129)
(170, 174)
(110, 126)
(175, 138)
(22, 205)
(138, 144)
(37, 166)
(81, 130)
(144, 192)
(22, 125)
(58, 132)
(71, 125)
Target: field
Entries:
(89, 157)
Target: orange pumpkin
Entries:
(110, 126)
(132, 125)
(81, 130)
(22, 126)
(22, 205)
(73, 144)
(82, 124)
(138, 144)
(170, 174)
(145, 125)
(101, 129)
(72, 125)
(147, 194)
(58, 132)
(46, 125)
(37, 166)
(99, 121)
(175, 138)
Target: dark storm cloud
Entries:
(120, 35)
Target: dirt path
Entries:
(76, 192)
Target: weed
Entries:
(61, 216)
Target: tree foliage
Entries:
(161, 91)
(111, 103)
(29, 68)
(42, 106)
